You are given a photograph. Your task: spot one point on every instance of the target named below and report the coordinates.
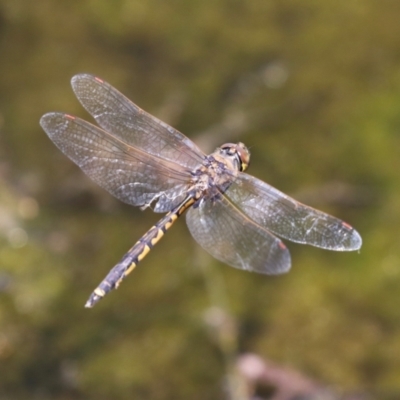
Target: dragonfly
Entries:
(144, 162)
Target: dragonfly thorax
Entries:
(219, 170)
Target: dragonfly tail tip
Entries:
(93, 299)
(89, 304)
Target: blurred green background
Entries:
(312, 87)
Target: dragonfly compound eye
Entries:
(238, 151)
(244, 155)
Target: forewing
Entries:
(290, 219)
(117, 114)
(131, 175)
(231, 237)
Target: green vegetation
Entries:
(313, 88)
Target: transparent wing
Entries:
(117, 114)
(231, 237)
(129, 174)
(290, 219)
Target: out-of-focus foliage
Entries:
(312, 87)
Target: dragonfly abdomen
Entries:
(136, 254)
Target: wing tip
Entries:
(279, 260)
(46, 120)
(355, 241)
(78, 79)
(43, 120)
(352, 239)
(81, 76)
(286, 260)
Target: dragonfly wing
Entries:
(117, 114)
(290, 219)
(131, 175)
(233, 238)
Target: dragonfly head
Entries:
(239, 154)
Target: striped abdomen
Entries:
(139, 251)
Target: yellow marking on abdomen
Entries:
(160, 234)
(99, 292)
(144, 253)
(129, 270)
(137, 253)
(171, 221)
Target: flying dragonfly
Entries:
(144, 162)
